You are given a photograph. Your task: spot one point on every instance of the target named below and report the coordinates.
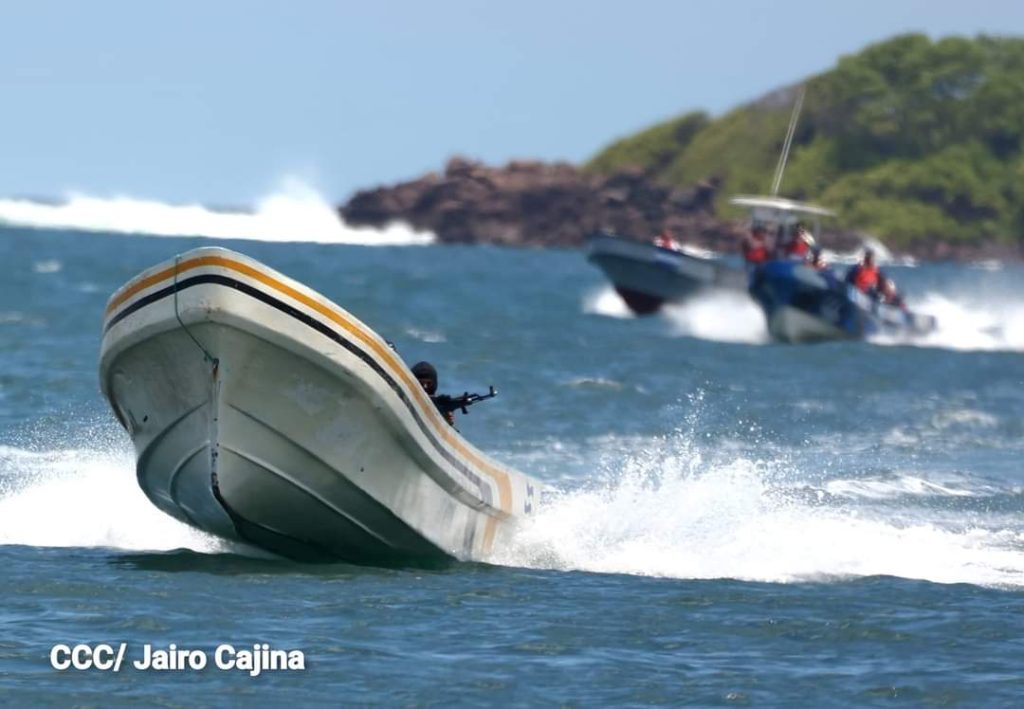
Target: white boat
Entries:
(264, 413)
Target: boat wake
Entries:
(295, 212)
(84, 497)
(968, 325)
(719, 316)
(669, 513)
(605, 301)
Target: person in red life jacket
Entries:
(888, 294)
(864, 276)
(665, 240)
(755, 246)
(800, 243)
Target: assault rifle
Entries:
(449, 404)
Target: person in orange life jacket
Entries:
(799, 244)
(755, 246)
(426, 375)
(888, 294)
(864, 276)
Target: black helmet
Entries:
(425, 372)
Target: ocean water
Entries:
(728, 521)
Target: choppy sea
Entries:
(728, 521)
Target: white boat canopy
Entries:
(778, 209)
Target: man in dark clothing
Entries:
(426, 375)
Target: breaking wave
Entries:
(295, 212)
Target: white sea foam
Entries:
(900, 486)
(722, 316)
(85, 498)
(294, 212)
(48, 266)
(968, 324)
(430, 336)
(11, 316)
(963, 417)
(674, 515)
(605, 301)
(595, 383)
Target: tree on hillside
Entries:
(910, 138)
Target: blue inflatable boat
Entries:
(802, 304)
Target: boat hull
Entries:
(648, 276)
(801, 304)
(790, 324)
(263, 413)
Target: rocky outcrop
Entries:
(537, 204)
(528, 203)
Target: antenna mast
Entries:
(781, 167)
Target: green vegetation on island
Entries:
(911, 139)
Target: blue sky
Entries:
(217, 101)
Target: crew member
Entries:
(426, 375)
(864, 276)
(799, 244)
(888, 294)
(817, 260)
(755, 246)
(665, 240)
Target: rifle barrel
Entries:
(448, 403)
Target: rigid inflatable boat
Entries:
(264, 413)
(647, 276)
(802, 304)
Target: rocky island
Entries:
(530, 203)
